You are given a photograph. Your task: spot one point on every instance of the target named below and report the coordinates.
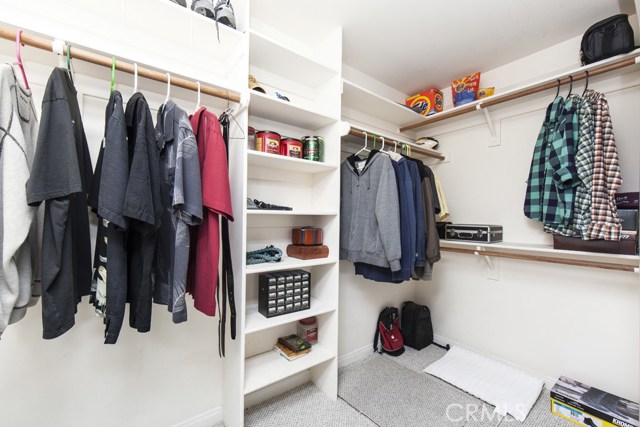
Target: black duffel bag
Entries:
(607, 38)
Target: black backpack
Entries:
(416, 326)
(607, 38)
(388, 333)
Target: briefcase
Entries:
(474, 233)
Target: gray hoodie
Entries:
(369, 212)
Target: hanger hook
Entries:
(19, 57)
(586, 85)
(68, 47)
(168, 87)
(558, 88)
(198, 102)
(395, 146)
(570, 85)
(382, 142)
(113, 73)
(135, 77)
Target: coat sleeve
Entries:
(388, 216)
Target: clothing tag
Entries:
(360, 165)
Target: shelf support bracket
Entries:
(487, 259)
(492, 262)
(487, 117)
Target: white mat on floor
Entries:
(511, 391)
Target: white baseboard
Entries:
(355, 356)
(205, 419)
(549, 382)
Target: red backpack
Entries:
(388, 333)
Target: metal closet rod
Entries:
(508, 96)
(575, 262)
(105, 61)
(360, 133)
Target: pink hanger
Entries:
(19, 57)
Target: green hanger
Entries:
(68, 45)
(113, 73)
(374, 142)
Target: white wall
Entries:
(172, 373)
(548, 319)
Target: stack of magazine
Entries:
(292, 347)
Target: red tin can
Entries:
(268, 141)
(291, 147)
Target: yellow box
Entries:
(426, 103)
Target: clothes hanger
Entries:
(19, 57)
(395, 146)
(69, 69)
(558, 88)
(570, 85)
(366, 143)
(168, 88)
(198, 101)
(135, 77)
(113, 73)
(586, 85)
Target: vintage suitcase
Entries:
(474, 233)
(308, 252)
(306, 236)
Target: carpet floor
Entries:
(384, 391)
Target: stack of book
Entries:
(292, 347)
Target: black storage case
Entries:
(474, 233)
(284, 292)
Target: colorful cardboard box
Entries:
(427, 102)
(590, 407)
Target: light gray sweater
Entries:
(369, 212)
(18, 227)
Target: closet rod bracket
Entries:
(487, 117)
(487, 258)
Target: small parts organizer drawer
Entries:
(284, 292)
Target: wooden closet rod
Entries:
(579, 263)
(389, 141)
(105, 61)
(509, 96)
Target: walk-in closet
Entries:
(260, 184)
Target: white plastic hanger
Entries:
(198, 102)
(366, 144)
(135, 77)
(168, 89)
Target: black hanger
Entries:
(586, 85)
(558, 88)
(570, 85)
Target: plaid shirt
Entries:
(605, 223)
(553, 175)
(581, 218)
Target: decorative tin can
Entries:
(268, 141)
(291, 147)
(313, 148)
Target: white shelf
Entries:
(275, 161)
(544, 250)
(271, 108)
(272, 56)
(295, 212)
(365, 101)
(288, 263)
(269, 367)
(256, 322)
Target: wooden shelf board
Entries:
(256, 322)
(269, 367)
(271, 108)
(276, 161)
(288, 263)
(268, 54)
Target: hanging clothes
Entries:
(442, 200)
(204, 256)
(61, 177)
(182, 206)
(18, 221)
(369, 212)
(433, 241)
(108, 198)
(143, 208)
(605, 223)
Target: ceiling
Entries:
(413, 44)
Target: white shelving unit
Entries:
(310, 76)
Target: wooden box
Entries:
(308, 252)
